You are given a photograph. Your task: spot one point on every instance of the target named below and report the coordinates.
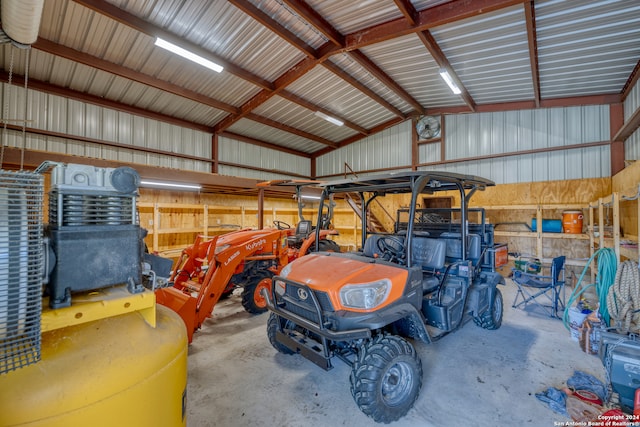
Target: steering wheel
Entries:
(281, 225)
(392, 248)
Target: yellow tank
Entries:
(113, 371)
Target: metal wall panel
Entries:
(632, 146)
(241, 153)
(391, 147)
(632, 102)
(62, 115)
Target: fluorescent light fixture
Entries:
(447, 78)
(310, 197)
(189, 55)
(174, 185)
(329, 118)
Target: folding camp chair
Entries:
(531, 286)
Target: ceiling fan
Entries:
(428, 127)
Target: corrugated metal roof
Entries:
(284, 111)
(586, 47)
(408, 62)
(336, 95)
(583, 48)
(490, 55)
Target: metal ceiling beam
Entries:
(259, 143)
(111, 11)
(530, 16)
(432, 46)
(291, 75)
(277, 125)
(408, 10)
(251, 10)
(361, 87)
(314, 18)
(56, 49)
(530, 105)
(323, 26)
(371, 67)
(311, 106)
(428, 18)
(631, 81)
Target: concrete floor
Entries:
(473, 377)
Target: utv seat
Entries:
(454, 247)
(371, 248)
(303, 230)
(429, 254)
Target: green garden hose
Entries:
(607, 266)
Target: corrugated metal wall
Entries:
(469, 135)
(241, 153)
(485, 134)
(389, 148)
(631, 105)
(66, 116)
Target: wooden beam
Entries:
(251, 10)
(378, 73)
(277, 125)
(434, 49)
(629, 127)
(361, 87)
(109, 67)
(34, 158)
(428, 18)
(264, 144)
(530, 16)
(312, 107)
(111, 11)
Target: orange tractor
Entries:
(214, 266)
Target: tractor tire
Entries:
(272, 328)
(386, 378)
(326, 246)
(492, 318)
(252, 300)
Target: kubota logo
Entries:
(232, 257)
(252, 246)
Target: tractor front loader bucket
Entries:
(181, 303)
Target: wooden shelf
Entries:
(533, 234)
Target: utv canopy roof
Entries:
(408, 182)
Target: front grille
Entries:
(305, 307)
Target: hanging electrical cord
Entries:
(623, 301)
(607, 265)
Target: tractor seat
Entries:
(303, 230)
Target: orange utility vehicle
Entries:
(435, 271)
(214, 266)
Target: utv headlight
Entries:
(365, 295)
(285, 271)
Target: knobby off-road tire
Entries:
(272, 327)
(326, 246)
(252, 300)
(492, 318)
(386, 378)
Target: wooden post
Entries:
(616, 224)
(156, 227)
(260, 208)
(592, 243)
